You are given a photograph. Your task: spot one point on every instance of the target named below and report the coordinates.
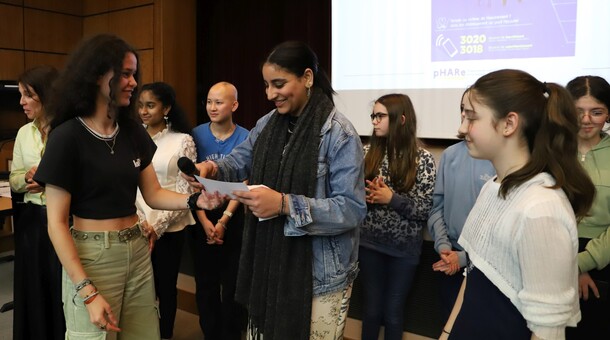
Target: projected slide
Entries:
(492, 29)
(432, 50)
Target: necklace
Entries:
(292, 123)
(221, 136)
(111, 147)
(109, 140)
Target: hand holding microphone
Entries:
(187, 166)
(189, 170)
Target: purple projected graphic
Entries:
(502, 29)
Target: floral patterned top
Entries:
(170, 147)
(395, 229)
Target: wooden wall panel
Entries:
(11, 64)
(74, 7)
(134, 25)
(146, 66)
(6, 153)
(122, 4)
(91, 7)
(51, 32)
(175, 40)
(46, 31)
(13, 120)
(95, 24)
(36, 58)
(11, 27)
(12, 2)
(94, 7)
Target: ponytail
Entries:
(556, 149)
(549, 124)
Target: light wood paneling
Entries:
(35, 58)
(134, 25)
(51, 32)
(46, 31)
(146, 66)
(11, 27)
(175, 55)
(95, 24)
(11, 64)
(74, 7)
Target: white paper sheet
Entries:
(226, 188)
(223, 188)
(5, 189)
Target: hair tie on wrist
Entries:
(191, 201)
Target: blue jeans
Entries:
(386, 281)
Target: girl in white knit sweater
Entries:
(520, 236)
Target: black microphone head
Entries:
(187, 166)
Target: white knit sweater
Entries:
(526, 245)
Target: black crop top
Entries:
(102, 185)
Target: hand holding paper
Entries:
(260, 199)
(223, 188)
(263, 201)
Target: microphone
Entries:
(187, 166)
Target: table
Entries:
(6, 210)
(6, 207)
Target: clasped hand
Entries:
(448, 264)
(377, 192)
(214, 233)
(30, 185)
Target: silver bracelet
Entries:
(84, 283)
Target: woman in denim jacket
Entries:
(300, 244)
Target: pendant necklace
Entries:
(292, 123)
(109, 140)
(111, 147)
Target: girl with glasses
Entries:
(399, 186)
(592, 98)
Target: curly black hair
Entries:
(76, 89)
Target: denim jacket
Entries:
(332, 217)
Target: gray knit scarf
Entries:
(275, 272)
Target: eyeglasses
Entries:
(598, 115)
(376, 117)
